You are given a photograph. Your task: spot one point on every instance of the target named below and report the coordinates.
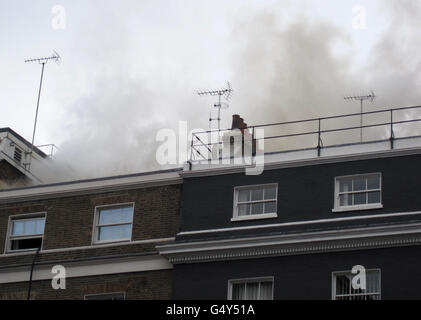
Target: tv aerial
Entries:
(370, 97)
(43, 61)
(226, 93)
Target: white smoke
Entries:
(280, 72)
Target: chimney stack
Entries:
(238, 123)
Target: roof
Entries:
(24, 141)
(88, 186)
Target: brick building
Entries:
(103, 231)
(218, 230)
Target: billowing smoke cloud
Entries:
(291, 72)
(281, 72)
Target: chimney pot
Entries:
(236, 121)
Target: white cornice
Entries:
(91, 247)
(297, 243)
(87, 268)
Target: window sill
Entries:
(110, 241)
(21, 251)
(358, 208)
(255, 217)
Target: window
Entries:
(251, 289)
(255, 202)
(106, 296)
(358, 192)
(113, 223)
(26, 233)
(342, 287)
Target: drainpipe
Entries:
(32, 271)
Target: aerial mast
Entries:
(226, 93)
(362, 98)
(43, 61)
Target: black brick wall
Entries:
(303, 276)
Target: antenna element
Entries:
(369, 97)
(226, 93)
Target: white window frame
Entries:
(336, 273)
(246, 280)
(104, 294)
(26, 216)
(96, 226)
(236, 217)
(338, 208)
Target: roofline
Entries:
(24, 141)
(139, 174)
(92, 186)
(302, 162)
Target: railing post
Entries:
(319, 138)
(392, 135)
(253, 143)
(191, 151)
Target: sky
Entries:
(131, 68)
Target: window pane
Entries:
(257, 208)
(270, 207)
(28, 227)
(373, 182)
(374, 197)
(266, 289)
(17, 229)
(243, 195)
(360, 198)
(115, 215)
(252, 291)
(243, 209)
(238, 291)
(270, 193)
(344, 287)
(345, 185)
(343, 284)
(345, 200)
(359, 184)
(39, 226)
(373, 281)
(257, 194)
(115, 232)
(22, 244)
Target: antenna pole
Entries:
(227, 92)
(36, 114)
(361, 120)
(219, 111)
(370, 97)
(42, 61)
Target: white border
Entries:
(334, 273)
(96, 216)
(96, 246)
(338, 208)
(296, 223)
(236, 217)
(256, 279)
(93, 267)
(7, 250)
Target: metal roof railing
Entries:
(389, 121)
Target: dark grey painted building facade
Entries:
(297, 230)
